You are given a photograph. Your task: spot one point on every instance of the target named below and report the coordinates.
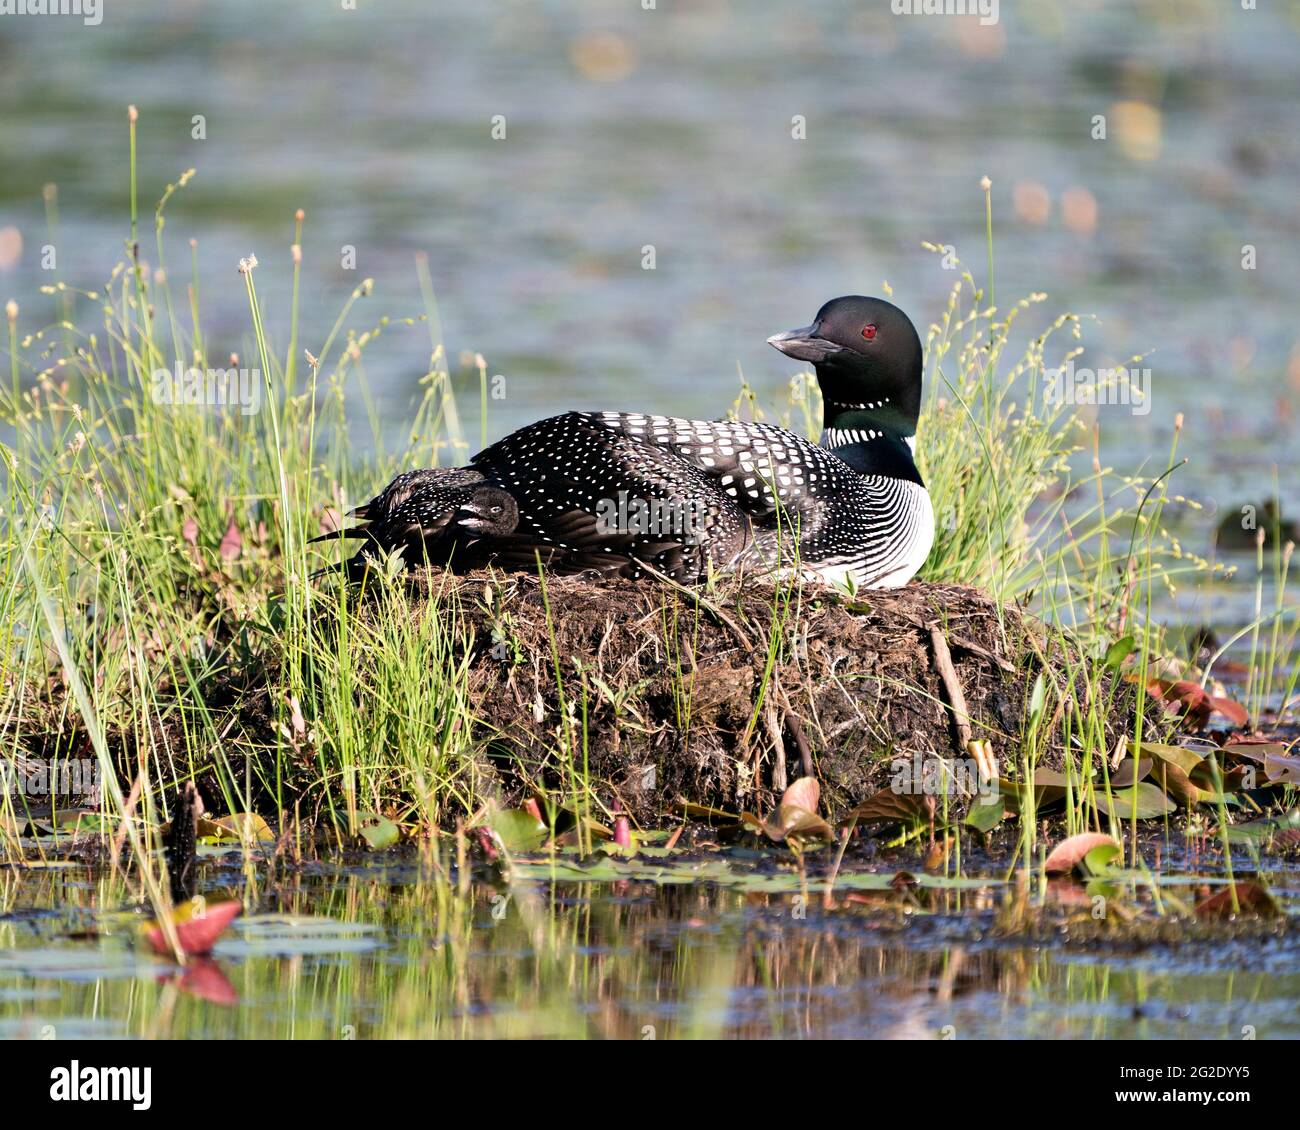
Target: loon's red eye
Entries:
(869, 331)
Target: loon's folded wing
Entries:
(592, 498)
(772, 474)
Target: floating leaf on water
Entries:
(1072, 851)
(569, 818)
(987, 814)
(1174, 764)
(1050, 787)
(518, 829)
(1230, 709)
(69, 821)
(796, 818)
(237, 827)
(1098, 861)
(789, 822)
(1247, 749)
(888, 806)
(1282, 769)
(804, 793)
(378, 831)
(297, 935)
(1283, 830)
(1252, 897)
(198, 926)
(1149, 801)
(1185, 759)
(1130, 771)
(1195, 702)
(1234, 780)
(85, 821)
(80, 962)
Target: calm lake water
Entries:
(385, 950)
(672, 128)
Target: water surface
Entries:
(387, 949)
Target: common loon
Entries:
(613, 492)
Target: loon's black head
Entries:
(868, 360)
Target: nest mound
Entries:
(719, 699)
(654, 695)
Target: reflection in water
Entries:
(628, 961)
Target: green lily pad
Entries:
(378, 831)
(1149, 802)
(235, 829)
(986, 815)
(518, 830)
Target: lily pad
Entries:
(1130, 771)
(987, 814)
(1172, 772)
(795, 819)
(1146, 799)
(262, 935)
(236, 828)
(518, 829)
(889, 807)
(1071, 853)
(1050, 786)
(198, 926)
(1248, 897)
(1282, 769)
(378, 831)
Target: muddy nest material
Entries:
(724, 701)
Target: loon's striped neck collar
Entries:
(865, 421)
(873, 438)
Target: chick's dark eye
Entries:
(869, 331)
(496, 510)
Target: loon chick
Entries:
(431, 515)
(614, 492)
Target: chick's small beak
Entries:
(804, 345)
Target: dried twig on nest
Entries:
(951, 684)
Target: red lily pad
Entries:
(887, 807)
(1195, 703)
(1252, 898)
(1071, 852)
(796, 818)
(198, 926)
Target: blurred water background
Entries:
(673, 128)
